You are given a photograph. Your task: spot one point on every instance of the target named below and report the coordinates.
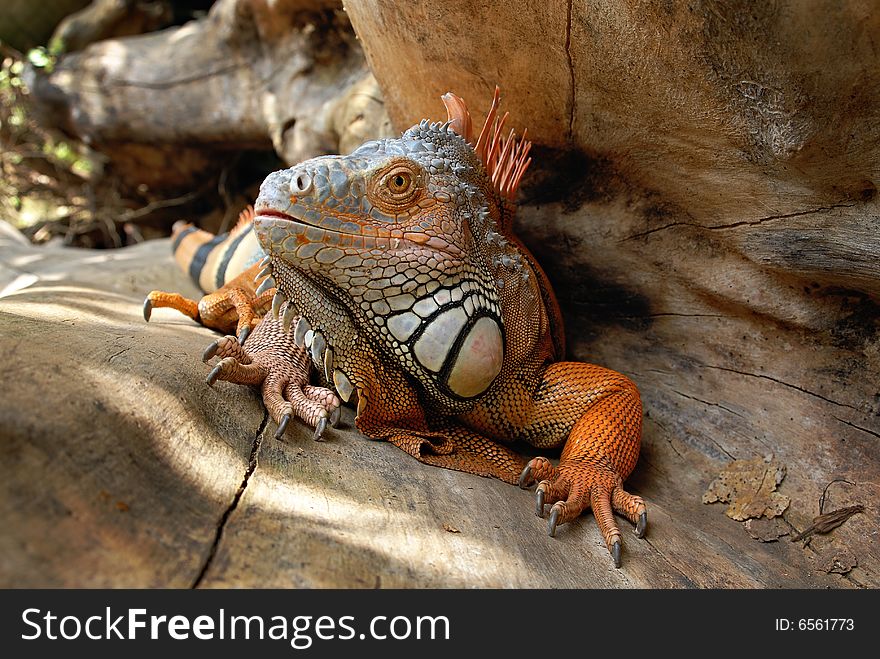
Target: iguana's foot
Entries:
(236, 307)
(270, 358)
(574, 487)
(601, 450)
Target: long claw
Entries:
(524, 477)
(320, 428)
(282, 426)
(539, 502)
(642, 525)
(615, 553)
(243, 334)
(213, 375)
(210, 351)
(148, 309)
(335, 416)
(551, 524)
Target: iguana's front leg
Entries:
(390, 409)
(601, 450)
(272, 359)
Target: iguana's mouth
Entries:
(293, 217)
(299, 218)
(272, 213)
(278, 226)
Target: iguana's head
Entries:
(405, 234)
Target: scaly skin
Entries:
(397, 271)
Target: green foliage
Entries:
(12, 89)
(56, 47)
(41, 58)
(42, 172)
(13, 93)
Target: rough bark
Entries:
(106, 19)
(705, 205)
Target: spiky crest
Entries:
(505, 158)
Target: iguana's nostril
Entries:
(300, 183)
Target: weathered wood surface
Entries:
(122, 468)
(107, 19)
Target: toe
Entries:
(232, 370)
(632, 507)
(227, 346)
(539, 469)
(600, 499)
(554, 492)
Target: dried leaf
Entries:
(749, 486)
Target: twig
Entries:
(155, 205)
(9, 51)
(825, 491)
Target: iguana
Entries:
(396, 272)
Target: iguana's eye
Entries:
(397, 186)
(400, 182)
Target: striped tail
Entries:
(213, 261)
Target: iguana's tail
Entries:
(213, 261)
